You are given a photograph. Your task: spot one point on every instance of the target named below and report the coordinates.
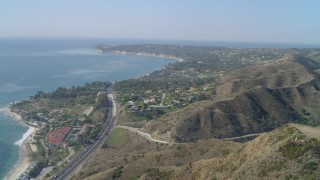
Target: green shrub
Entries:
(311, 166)
(292, 151)
(158, 157)
(117, 173)
(181, 151)
(225, 152)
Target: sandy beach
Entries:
(24, 160)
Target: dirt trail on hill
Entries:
(88, 111)
(313, 132)
(146, 135)
(240, 137)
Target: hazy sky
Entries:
(286, 21)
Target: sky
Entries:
(276, 21)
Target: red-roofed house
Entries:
(55, 138)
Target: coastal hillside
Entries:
(290, 71)
(194, 78)
(248, 101)
(286, 152)
(127, 155)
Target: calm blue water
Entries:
(27, 66)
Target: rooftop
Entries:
(57, 136)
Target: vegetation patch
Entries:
(117, 138)
(276, 166)
(225, 152)
(299, 147)
(98, 116)
(304, 112)
(311, 166)
(181, 152)
(117, 173)
(155, 173)
(292, 151)
(203, 151)
(158, 157)
(36, 170)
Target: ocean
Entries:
(31, 65)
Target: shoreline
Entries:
(148, 55)
(24, 160)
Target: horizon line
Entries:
(154, 39)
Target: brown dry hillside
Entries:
(251, 100)
(136, 156)
(290, 71)
(285, 153)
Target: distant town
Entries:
(65, 120)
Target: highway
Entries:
(86, 152)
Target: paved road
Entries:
(85, 153)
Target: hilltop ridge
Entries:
(283, 153)
(251, 100)
(290, 71)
